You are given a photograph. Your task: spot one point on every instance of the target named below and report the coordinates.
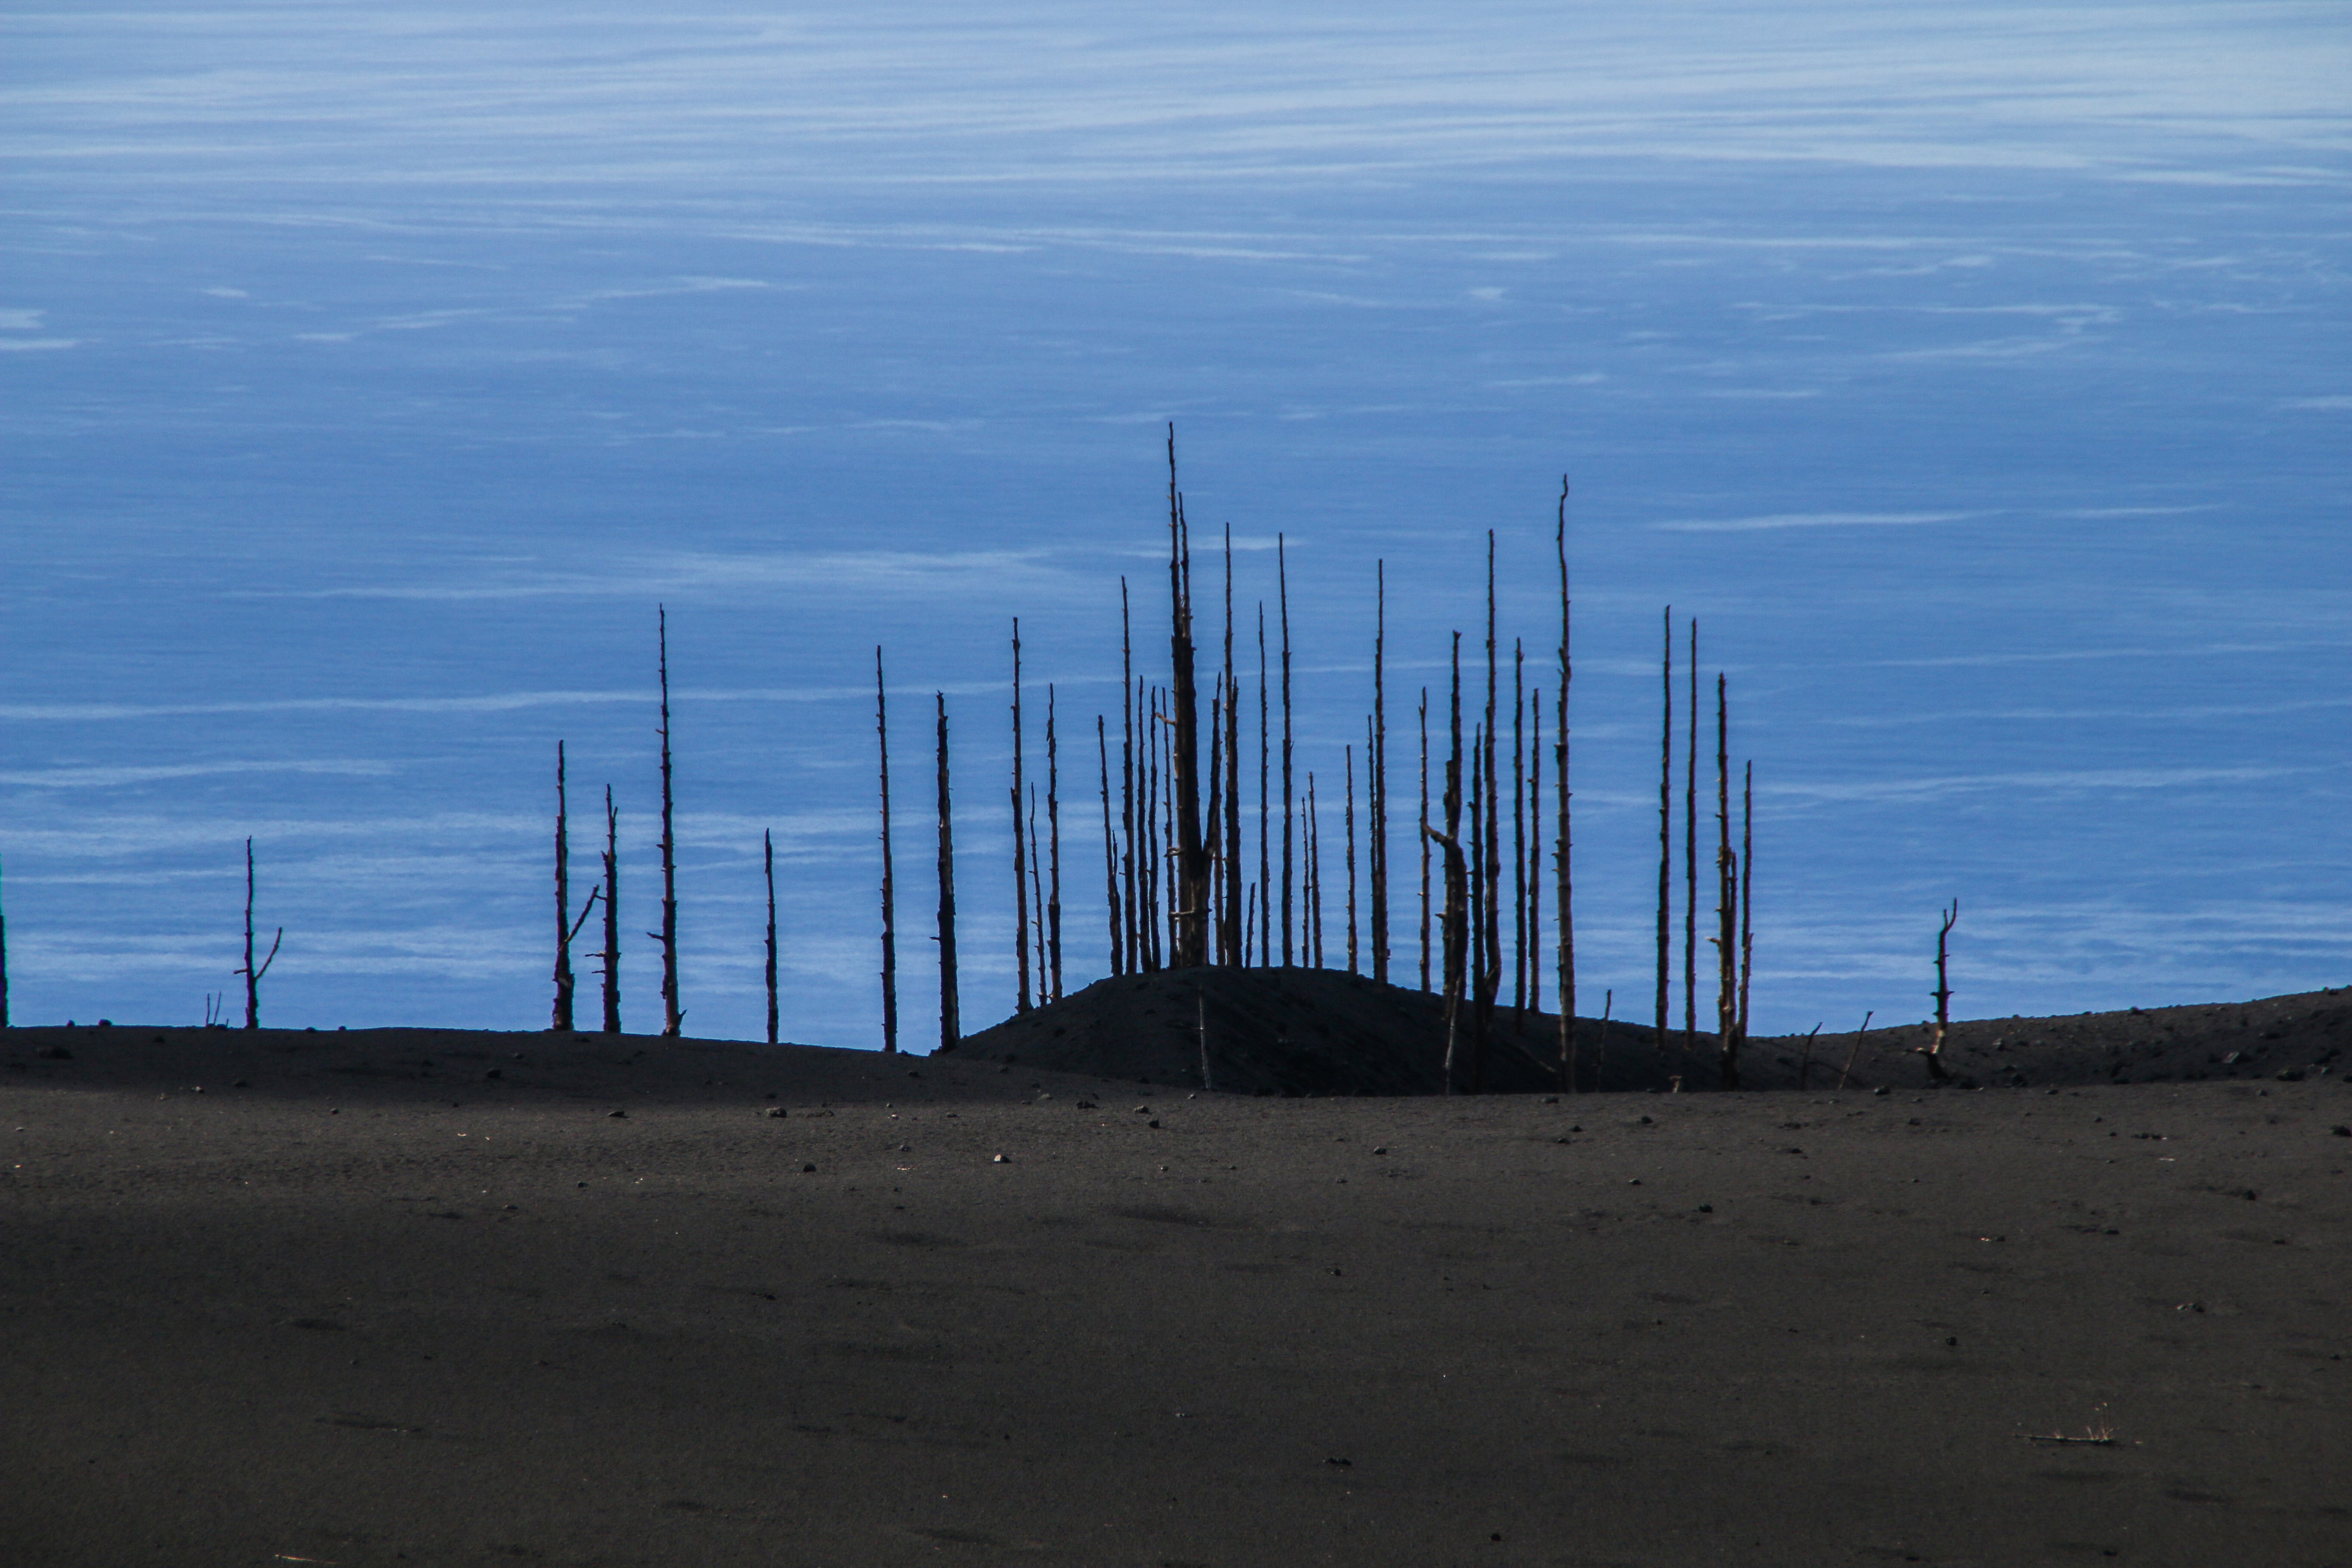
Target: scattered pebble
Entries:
(999, 1160)
(806, 1170)
(612, 1113)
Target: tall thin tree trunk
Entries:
(1037, 897)
(1110, 851)
(1747, 890)
(1212, 888)
(1155, 863)
(1424, 838)
(1457, 890)
(1190, 932)
(673, 1014)
(611, 915)
(252, 975)
(1563, 847)
(1665, 831)
(1479, 956)
(1351, 855)
(561, 1014)
(1518, 835)
(889, 874)
(1265, 805)
(1490, 979)
(1314, 912)
(1052, 966)
(1127, 789)
(768, 865)
(1690, 863)
(1726, 906)
(1935, 1051)
(1376, 758)
(950, 1023)
(4, 968)
(1282, 588)
(1019, 867)
(1534, 867)
(1230, 942)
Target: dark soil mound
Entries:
(1323, 1032)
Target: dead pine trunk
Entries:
(1281, 591)
(1231, 941)
(1746, 891)
(1933, 1050)
(1690, 860)
(1110, 851)
(1490, 874)
(950, 1025)
(1313, 914)
(1562, 847)
(1480, 1012)
(4, 968)
(1020, 869)
(1037, 897)
(673, 1014)
(1376, 760)
(1212, 839)
(1518, 835)
(1264, 804)
(1132, 946)
(1352, 969)
(252, 975)
(1854, 1051)
(1455, 923)
(1190, 932)
(1051, 967)
(612, 974)
(1665, 831)
(890, 875)
(562, 1016)
(768, 866)
(1533, 870)
(1424, 838)
(1727, 905)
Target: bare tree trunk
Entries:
(1133, 948)
(611, 915)
(1314, 912)
(1020, 868)
(1230, 942)
(889, 874)
(3, 969)
(1490, 875)
(1036, 896)
(950, 1023)
(1533, 870)
(1424, 838)
(1935, 1051)
(1727, 940)
(673, 1015)
(1154, 864)
(1518, 835)
(1562, 848)
(1213, 840)
(1110, 851)
(1189, 933)
(1282, 587)
(1352, 969)
(1665, 831)
(561, 1017)
(1455, 923)
(1478, 892)
(768, 865)
(1690, 863)
(1052, 963)
(1265, 805)
(1854, 1051)
(1376, 758)
(1746, 891)
(252, 975)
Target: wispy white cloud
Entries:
(113, 777)
(1810, 520)
(2050, 779)
(37, 345)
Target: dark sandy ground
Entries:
(345, 1307)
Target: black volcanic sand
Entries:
(1322, 1032)
(345, 1307)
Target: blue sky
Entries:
(1976, 376)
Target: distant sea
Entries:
(1977, 376)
